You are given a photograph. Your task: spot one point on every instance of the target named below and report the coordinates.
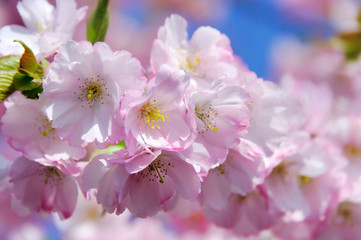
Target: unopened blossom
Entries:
(208, 56)
(222, 117)
(83, 90)
(146, 190)
(35, 137)
(43, 189)
(158, 116)
(46, 27)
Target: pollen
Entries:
(207, 115)
(153, 115)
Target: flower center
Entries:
(51, 175)
(91, 91)
(280, 170)
(41, 28)
(352, 151)
(303, 180)
(153, 115)
(45, 127)
(207, 115)
(157, 170)
(187, 62)
(344, 210)
(48, 129)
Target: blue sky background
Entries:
(252, 26)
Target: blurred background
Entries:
(260, 32)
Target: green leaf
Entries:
(98, 22)
(9, 66)
(9, 62)
(28, 60)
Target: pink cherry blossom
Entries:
(83, 90)
(222, 117)
(158, 117)
(307, 93)
(240, 173)
(245, 215)
(145, 191)
(306, 177)
(43, 189)
(274, 114)
(5, 149)
(344, 132)
(208, 56)
(47, 27)
(35, 137)
(343, 222)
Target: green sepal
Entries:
(29, 77)
(34, 93)
(98, 22)
(9, 66)
(24, 81)
(44, 63)
(28, 60)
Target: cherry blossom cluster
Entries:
(197, 128)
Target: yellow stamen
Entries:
(49, 171)
(153, 115)
(208, 116)
(221, 169)
(305, 179)
(210, 127)
(160, 176)
(91, 92)
(40, 27)
(193, 64)
(48, 128)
